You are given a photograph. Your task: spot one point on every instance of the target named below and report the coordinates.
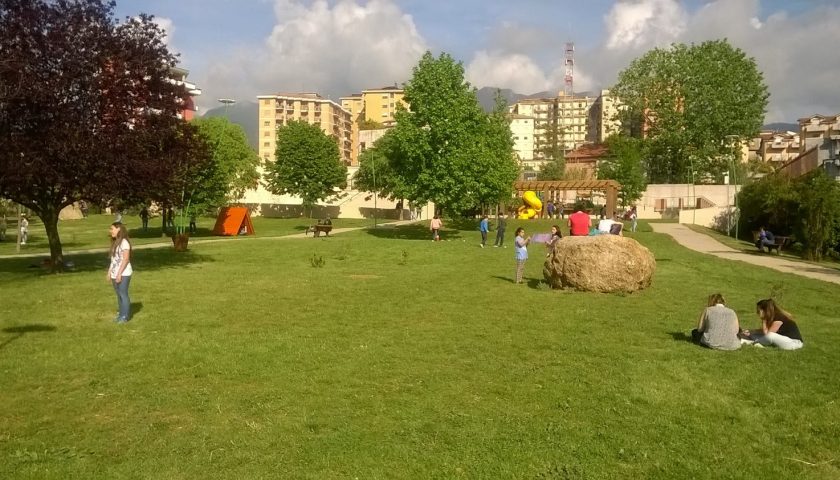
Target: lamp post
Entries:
(226, 102)
(373, 167)
(731, 139)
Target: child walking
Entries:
(521, 244)
(119, 272)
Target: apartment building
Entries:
(376, 104)
(178, 76)
(819, 146)
(522, 129)
(603, 117)
(778, 148)
(277, 110)
(569, 113)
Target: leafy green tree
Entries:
(234, 164)
(551, 148)
(624, 165)
(365, 124)
(307, 164)
(553, 170)
(689, 102)
(819, 213)
(376, 174)
(447, 149)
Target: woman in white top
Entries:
(119, 272)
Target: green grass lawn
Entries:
(92, 232)
(405, 358)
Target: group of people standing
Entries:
(719, 328)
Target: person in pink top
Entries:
(579, 223)
(435, 226)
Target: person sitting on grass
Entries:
(777, 327)
(765, 238)
(718, 326)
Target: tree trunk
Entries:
(49, 216)
(163, 221)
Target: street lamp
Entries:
(732, 178)
(226, 102)
(373, 167)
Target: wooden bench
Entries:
(317, 229)
(778, 243)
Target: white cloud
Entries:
(643, 23)
(168, 27)
(334, 50)
(505, 70)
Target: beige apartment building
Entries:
(376, 104)
(571, 113)
(522, 129)
(277, 110)
(778, 148)
(603, 117)
(819, 146)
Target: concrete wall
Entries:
(665, 201)
(713, 217)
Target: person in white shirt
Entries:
(120, 271)
(609, 225)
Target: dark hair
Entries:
(518, 230)
(559, 233)
(771, 312)
(716, 298)
(122, 235)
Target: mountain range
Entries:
(245, 114)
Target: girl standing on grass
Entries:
(435, 225)
(119, 272)
(521, 244)
(777, 327)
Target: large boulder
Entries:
(601, 263)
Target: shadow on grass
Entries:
(141, 260)
(136, 307)
(412, 232)
(680, 337)
(23, 330)
(156, 233)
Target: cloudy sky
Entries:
(243, 48)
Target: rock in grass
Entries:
(602, 263)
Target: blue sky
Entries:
(242, 48)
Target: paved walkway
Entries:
(201, 241)
(706, 244)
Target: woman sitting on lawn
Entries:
(718, 326)
(777, 327)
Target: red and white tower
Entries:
(568, 87)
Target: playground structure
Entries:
(549, 189)
(233, 221)
(532, 206)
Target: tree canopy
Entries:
(81, 94)
(624, 165)
(307, 164)
(690, 103)
(446, 148)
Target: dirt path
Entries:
(706, 244)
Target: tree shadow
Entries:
(680, 337)
(412, 232)
(201, 232)
(18, 332)
(152, 259)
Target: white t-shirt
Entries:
(116, 259)
(605, 224)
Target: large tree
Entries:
(375, 173)
(233, 169)
(79, 92)
(447, 149)
(691, 103)
(623, 164)
(307, 164)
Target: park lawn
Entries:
(748, 247)
(92, 232)
(405, 358)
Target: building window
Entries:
(267, 133)
(384, 115)
(266, 144)
(266, 123)
(266, 101)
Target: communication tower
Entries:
(568, 87)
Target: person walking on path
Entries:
(3, 227)
(550, 209)
(634, 215)
(24, 229)
(120, 271)
(144, 217)
(501, 225)
(521, 253)
(718, 327)
(435, 225)
(484, 228)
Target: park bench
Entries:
(318, 229)
(778, 244)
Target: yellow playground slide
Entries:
(532, 206)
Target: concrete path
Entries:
(200, 241)
(706, 244)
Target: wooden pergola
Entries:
(609, 187)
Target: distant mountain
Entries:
(782, 127)
(487, 97)
(243, 114)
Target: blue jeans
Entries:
(123, 301)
